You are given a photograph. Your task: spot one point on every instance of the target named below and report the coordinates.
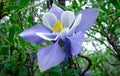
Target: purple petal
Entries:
(76, 42)
(56, 10)
(30, 34)
(50, 56)
(89, 17)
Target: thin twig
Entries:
(89, 64)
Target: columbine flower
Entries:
(60, 26)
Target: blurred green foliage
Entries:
(15, 53)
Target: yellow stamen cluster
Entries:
(57, 27)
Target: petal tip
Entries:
(21, 34)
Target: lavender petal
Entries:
(56, 10)
(76, 42)
(30, 36)
(89, 17)
(50, 56)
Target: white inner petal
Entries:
(49, 19)
(63, 33)
(76, 23)
(45, 36)
(68, 18)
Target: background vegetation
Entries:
(101, 45)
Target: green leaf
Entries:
(116, 3)
(22, 3)
(48, 42)
(11, 35)
(38, 73)
(74, 4)
(3, 36)
(11, 8)
(116, 14)
(22, 42)
(77, 71)
(4, 50)
(103, 7)
(17, 29)
(56, 71)
(22, 71)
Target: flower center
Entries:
(57, 27)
